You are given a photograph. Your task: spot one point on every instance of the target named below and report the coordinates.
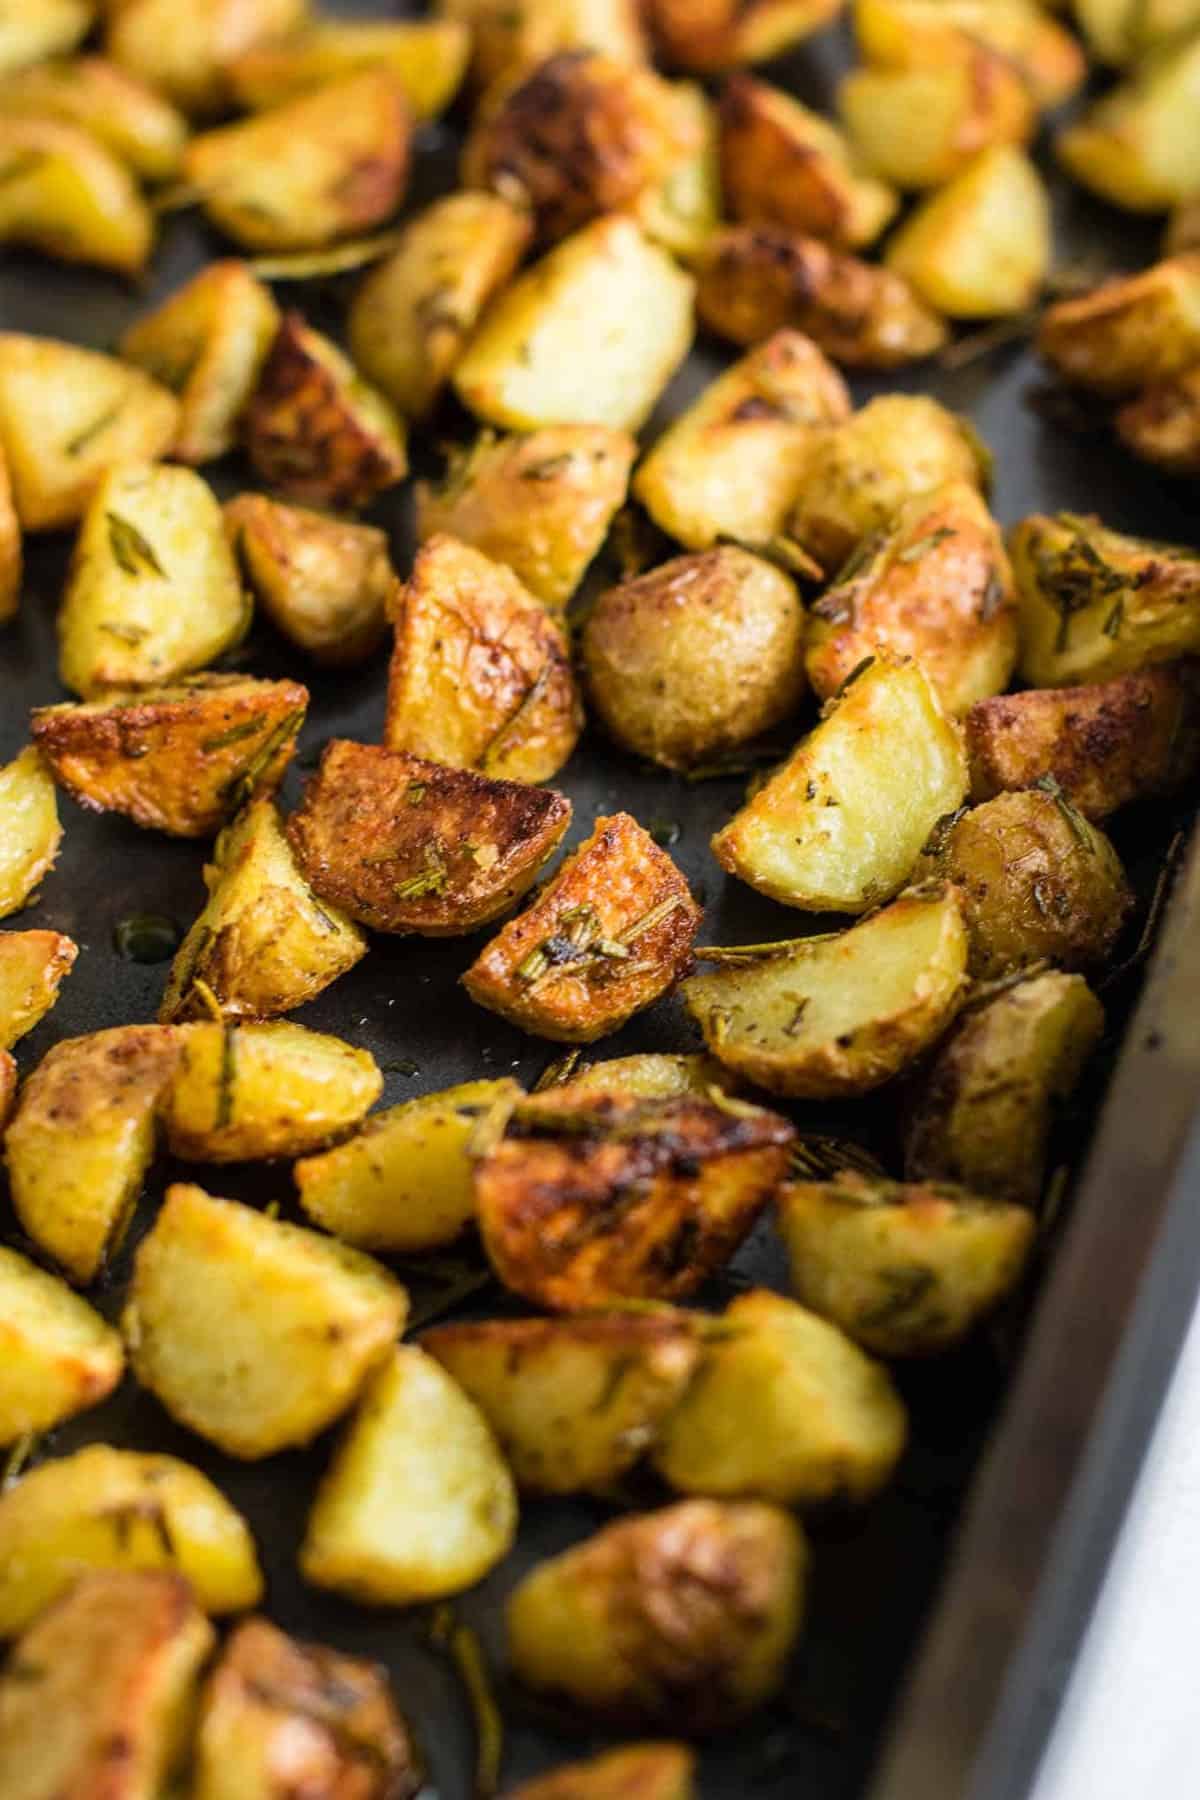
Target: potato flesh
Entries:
(979, 248)
(43, 28)
(1139, 146)
(650, 1076)
(639, 1772)
(11, 556)
(323, 582)
(135, 123)
(919, 128)
(912, 33)
(33, 964)
(67, 195)
(724, 34)
(428, 57)
(182, 51)
(683, 209)
(29, 829)
(510, 36)
(59, 1356)
(1130, 331)
(1121, 33)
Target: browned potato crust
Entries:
(323, 582)
(1163, 424)
(33, 965)
(11, 558)
(912, 34)
(1130, 331)
(406, 845)
(708, 35)
(638, 1772)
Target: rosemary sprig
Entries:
(130, 549)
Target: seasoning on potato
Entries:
(67, 195)
(33, 966)
(428, 57)
(60, 1357)
(30, 833)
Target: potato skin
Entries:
(722, 34)
(11, 554)
(1162, 425)
(1130, 331)
(70, 197)
(638, 1772)
(510, 37)
(33, 965)
(650, 1076)
(30, 834)
(323, 582)
(920, 127)
(60, 1357)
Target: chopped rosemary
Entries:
(859, 668)
(525, 704)
(914, 552)
(465, 1652)
(79, 443)
(1081, 831)
(18, 1460)
(434, 878)
(226, 1076)
(130, 549)
(244, 785)
(235, 735)
(783, 551)
(548, 468)
(815, 1157)
(557, 1072)
(863, 553)
(414, 793)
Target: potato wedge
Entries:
(914, 34)
(481, 674)
(1162, 425)
(323, 582)
(64, 193)
(40, 28)
(723, 34)
(574, 1402)
(67, 416)
(638, 1772)
(11, 552)
(509, 37)
(979, 248)
(756, 279)
(1139, 145)
(836, 1015)
(314, 429)
(428, 57)
(590, 1198)
(60, 1357)
(683, 209)
(1128, 332)
(606, 937)
(33, 965)
(180, 758)
(30, 833)
(243, 1093)
(406, 845)
(1183, 227)
(101, 1508)
(103, 1091)
(905, 1270)
(183, 51)
(589, 336)
(920, 127)
(651, 1077)
(414, 313)
(1120, 32)
(136, 124)
(631, 1625)
(417, 1502)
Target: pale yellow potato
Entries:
(650, 1076)
(64, 193)
(36, 29)
(406, 1182)
(589, 336)
(417, 1503)
(102, 1508)
(920, 127)
(979, 248)
(908, 34)
(510, 36)
(427, 56)
(683, 209)
(1128, 332)
(708, 35)
(323, 582)
(29, 829)
(838, 1014)
(153, 591)
(59, 1356)
(131, 119)
(246, 1092)
(183, 50)
(1124, 32)
(637, 1772)
(11, 554)
(1139, 146)
(33, 965)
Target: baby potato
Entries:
(40, 28)
(836, 1015)
(416, 310)
(979, 248)
(183, 50)
(101, 1094)
(406, 845)
(650, 1077)
(914, 34)
(634, 1625)
(33, 965)
(573, 1402)
(60, 1357)
(129, 118)
(245, 1093)
(207, 343)
(30, 833)
(722, 34)
(756, 279)
(323, 582)
(101, 1508)
(920, 127)
(509, 37)
(179, 758)
(591, 1199)
(1162, 425)
(637, 1772)
(1120, 32)
(428, 57)
(1128, 332)
(64, 193)
(683, 209)
(607, 936)
(590, 335)
(1139, 145)
(905, 1270)
(11, 554)
(417, 1502)
(540, 502)
(1183, 227)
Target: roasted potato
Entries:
(920, 127)
(481, 674)
(406, 1182)
(9, 1078)
(1128, 332)
(835, 1015)
(314, 429)
(406, 845)
(67, 416)
(696, 657)
(938, 588)
(682, 1618)
(1162, 425)
(59, 1356)
(102, 1508)
(637, 1772)
(722, 34)
(510, 37)
(33, 965)
(540, 502)
(756, 279)
(180, 758)
(254, 1333)
(1139, 145)
(11, 553)
(184, 51)
(784, 1407)
(1120, 32)
(428, 57)
(129, 118)
(102, 1093)
(97, 1696)
(29, 829)
(1095, 603)
(207, 343)
(984, 1112)
(415, 312)
(243, 1093)
(650, 1077)
(63, 192)
(979, 248)
(904, 1270)
(281, 1718)
(1183, 227)
(594, 1198)
(683, 209)
(417, 1502)
(914, 34)
(323, 582)
(41, 28)
(573, 1402)
(606, 937)
(589, 336)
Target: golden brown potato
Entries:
(428, 57)
(1163, 424)
(9, 1077)
(315, 431)
(279, 1718)
(11, 555)
(985, 1109)
(638, 1772)
(510, 37)
(839, 1014)
(1120, 32)
(606, 937)
(1183, 227)
(60, 1357)
(758, 278)
(415, 312)
(406, 845)
(650, 1077)
(33, 965)
(1139, 145)
(102, 1094)
(481, 674)
(183, 50)
(683, 209)
(64, 193)
(920, 127)
(129, 118)
(41, 28)
(1130, 331)
(682, 1618)
(697, 657)
(593, 1198)
(180, 758)
(323, 582)
(914, 34)
(979, 248)
(29, 829)
(96, 1698)
(721, 34)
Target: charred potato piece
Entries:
(129, 118)
(920, 127)
(1139, 146)
(913, 34)
(63, 192)
(650, 1077)
(606, 937)
(1130, 331)
(11, 554)
(697, 657)
(323, 582)
(509, 37)
(406, 845)
(638, 1772)
(573, 1402)
(683, 209)
(103, 1092)
(183, 51)
(60, 1357)
(417, 1502)
(1120, 32)
(904, 1270)
(838, 1015)
(414, 313)
(40, 28)
(428, 57)
(979, 248)
(1163, 424)
(591, 1198)
(29, 829)
(179, 758)
(636, 1625)
(589, 336)
(722, 34)
(33, 965)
